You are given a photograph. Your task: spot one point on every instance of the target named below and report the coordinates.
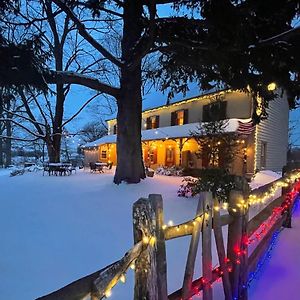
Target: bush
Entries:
(169, 171)
(218, 181)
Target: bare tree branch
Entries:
(23, 127)
(284, 36)
(75, 78)
(18, 139)
(80, 110)
(84, 33)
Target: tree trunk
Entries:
(130, 166)
(53, 152)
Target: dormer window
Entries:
(152, 122)
(179, 117)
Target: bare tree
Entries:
(65, 49)
(92, 131)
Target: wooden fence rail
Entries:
(148, 255)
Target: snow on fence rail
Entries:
(148, 255)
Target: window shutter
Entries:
(148, 122)
(173, 118)
(115, 129)
(223, 112)
(156, 121)
(206, 113)
(186, 116)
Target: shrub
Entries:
(218, 181)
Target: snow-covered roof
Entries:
(107, 139)
(165, 132)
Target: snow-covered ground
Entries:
(263, 177)
(280, 276)
(55, 230)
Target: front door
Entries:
(170, 156)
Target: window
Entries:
(263, 155)
(152, 122)
(153, 155)
(179, 117)
(214, 111)
(103, 154)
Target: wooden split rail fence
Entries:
(148, 255)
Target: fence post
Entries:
(221, 252)
(151, 266)
(190, 264)
(206, 244)
(237, 250)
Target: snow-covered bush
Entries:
(169, 171)
(218, 181)
(16, 172)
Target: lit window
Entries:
(152, 122)
(179, 117)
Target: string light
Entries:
(272, 86)
(132, 266)
(107, 293)
(265, 257)
(170, 223)
(123, 278)
(246, 241)
(203, 97)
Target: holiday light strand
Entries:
(147, 241)
(254, 199)
(277, 212)
(264, 259)
(262, 230)
(267, 256)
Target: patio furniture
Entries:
(58, 169)
(108, 166)
(97, 167)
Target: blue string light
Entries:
(264, 258)
(267, 255)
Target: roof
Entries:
(169, 132)
(202, 96)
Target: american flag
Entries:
(245, 128)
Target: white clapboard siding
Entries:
(274, 131)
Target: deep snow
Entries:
(57, 229)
